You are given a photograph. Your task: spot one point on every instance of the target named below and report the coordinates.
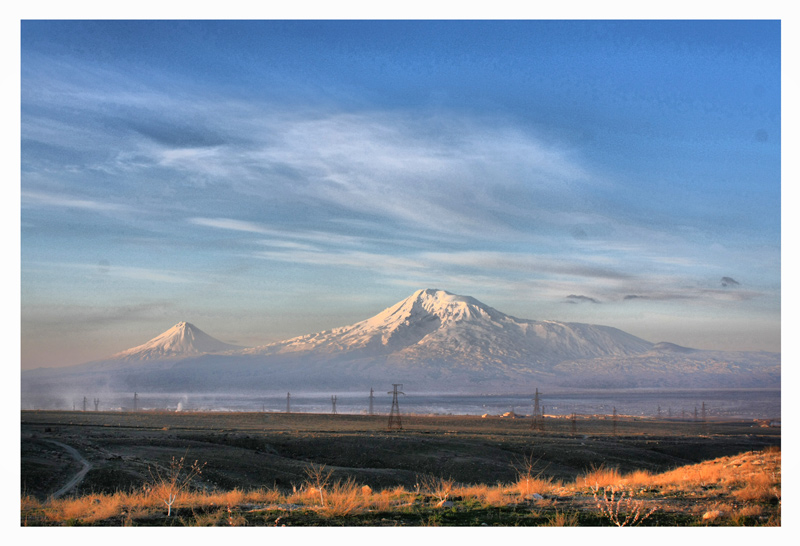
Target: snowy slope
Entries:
(181, 341)
(435, 325)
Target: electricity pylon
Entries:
(536, 424)
(371, 398)
(394, 415)
(614, 419)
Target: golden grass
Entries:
(529, 485)
(344, 498)
(562, 519)
(761, 487)
(497, 496)
(600, 476)
(742, 487)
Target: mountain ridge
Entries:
(433, 339)
(433, 322)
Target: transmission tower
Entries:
(333, 402)
(614, 420)
(536, 423)
(371, 398)
(703, 412)
(96, 403)
(659, 411)
(573, 418)
(695, 413)
(394, 415)
(288, 405)
(135, 401)
(84, 403)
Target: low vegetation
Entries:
(741, 490)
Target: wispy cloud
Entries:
(30, 198)
(104, 269)
(231, 224)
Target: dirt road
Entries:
(77, 478)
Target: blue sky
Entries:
(269, 179)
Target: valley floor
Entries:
(313, 469)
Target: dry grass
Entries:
(600, 476)
(497, 496)
(752, 510)
(760, 487)
(344, 498)
(562, 519)
(740, 490)
(88, 509)
(638, 478)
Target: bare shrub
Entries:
(622, 511)
(317, 479)
(529, 481)
(439, 488)
(169, 484)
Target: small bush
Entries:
(622, 510)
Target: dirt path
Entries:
(77, 478)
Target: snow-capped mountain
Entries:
(181, 341)
(435, 340)
(437, 326)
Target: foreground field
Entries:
(304, 469)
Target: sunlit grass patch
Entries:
(600, 476)
(562, 519)
(759, 487)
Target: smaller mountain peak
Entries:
(183, 339)
(183, 325)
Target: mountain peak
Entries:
(444, 305)
(436, 325)
(182, 340)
